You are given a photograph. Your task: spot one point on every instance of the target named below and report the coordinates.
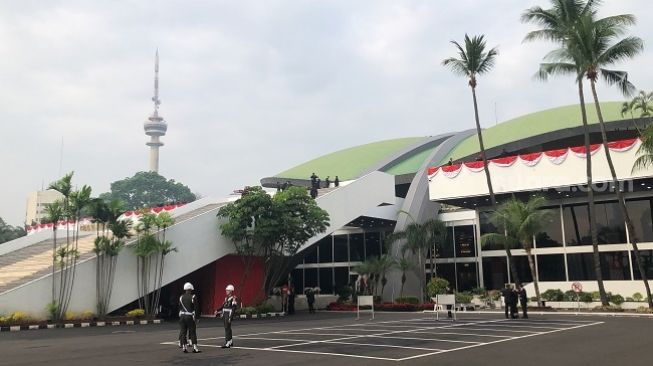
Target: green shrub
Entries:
(644, 310)
(53, 310)
(18, 317)
(136, 313)
(407, 300)
(553, 295)
(344, 293)
(596, 296)
(480, 291)
(609, 308)
(638, 297)
(264, 309)
(247, 310)
(586, 297)
(569, 296)
(464, 297)
(616, 299)
(437, 286)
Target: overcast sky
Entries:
(250, 88)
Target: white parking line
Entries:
(425, 339)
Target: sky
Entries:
(252, 88)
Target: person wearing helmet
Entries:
(187, 306)
(227, 311)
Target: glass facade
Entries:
(340, 248)
(551, 267)
(495, 274)
(640, 213)
(647, 256)
(467, 276)
(551, 234)
(464, 241)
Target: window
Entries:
(446, 271)
(340, 251)
(577, 230)
(445, 250)
(326, 280)
(551, 234)
(640, 214)
(495, 274)
(298, 279)
(551, 267)
(610, 225)
(467, 278)
(326, 252)
(341, 277)
(464, 241)
(615, 266)
(310, 255)
(647, 256)
(372, 245)
(356, 245)
(581, 267)
(523, 269)
(310, 277)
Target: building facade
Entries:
(37, 203)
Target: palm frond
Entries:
(620, 79)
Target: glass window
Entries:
(445, 250)
(326, 280)
(581, 267)
(356, 245)
(464, 241)
(647, 256)
(495, 274)
(551, 234)
(298, 279)
(340, 252)
(577, 230)
(311, 254)
(615, 266)
(486, 225)
(341, 277)
(372, 245)
(310, 277)
(551, 267)
(523, 269)
(467, 278)
(385, 247)
(326, 252)
(610, 226)
(640, 214)
(446, 271)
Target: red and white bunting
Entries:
(581, 152)
(531, 159)
(432, 172)
(621, 146)
(475, 166)
(504, 162)
(558, 156)
(451, 171)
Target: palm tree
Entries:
(418, 239)
(597, 44)
(521, 221)
(54, 213)
(642, 102)
(384, 263)
(403, 264)
(473, 60)
(558, 24)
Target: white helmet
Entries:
(230, 288)
(188, 286)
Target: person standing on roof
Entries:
(187, 323)
(228, 310)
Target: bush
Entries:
(437, 286)
(569, 296)
(136, 313)
(644, 310)
(596, 296)
(630, 299)
(638, 297)
(87, 315)
(407, 300)
(586, 297)
(395, 307)
(616, 299)
(53, 310)
(553, 295)
(463, 297)
(264, 309)
(480, 291)
(69, 316)
(247, 310)
(18, 317)
(344, 293)
(609, 308)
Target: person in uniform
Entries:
(523, 301)
(310, 298)
(507, 298)
(187, 304)
(291, 299)
(227, 311)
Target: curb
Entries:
(258, 316)
(581, 313)
(16, 328)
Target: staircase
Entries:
(27, 264)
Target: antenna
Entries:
(155, 98)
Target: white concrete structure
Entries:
(155, 126)
(36, 204)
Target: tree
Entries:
(418, 238)
(557, 25)
(272, 228)
(642, 104)
(151, 250)
(148, 189)
(520, 222)
(107, 247)
(54, 213)
(473, 61)
(8, 232)
(403, 265)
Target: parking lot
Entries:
(337, 338)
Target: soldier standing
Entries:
(228, 311)
(187, 319)
(523, 301)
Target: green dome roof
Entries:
(532, 125)
(351, 163)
